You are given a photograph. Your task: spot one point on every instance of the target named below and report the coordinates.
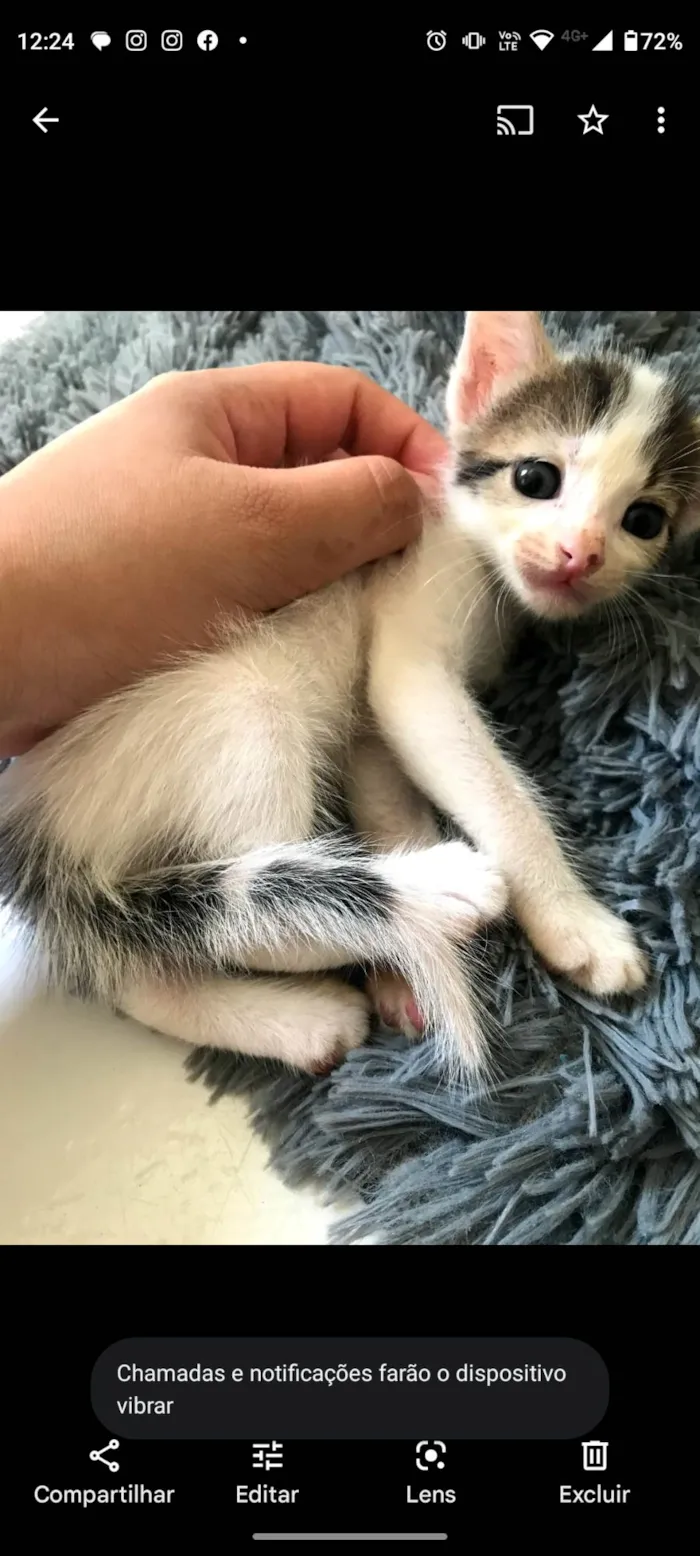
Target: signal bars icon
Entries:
(474, 40)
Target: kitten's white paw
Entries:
(485, 887)
(332, 1021)
(589, 944)
(393, 1001)
(464, 885)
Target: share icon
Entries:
(97, 1455)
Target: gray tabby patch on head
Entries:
(572, 396)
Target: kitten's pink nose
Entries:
(581, 555)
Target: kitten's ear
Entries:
(497, 349)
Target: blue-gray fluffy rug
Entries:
(593, 1135)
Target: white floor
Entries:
(13, 323)
(103, 1139)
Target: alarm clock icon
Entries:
(437, 40)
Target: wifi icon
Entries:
(541, 38)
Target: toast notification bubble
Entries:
(249, 1387)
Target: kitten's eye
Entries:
(536, 478)
(645, 520)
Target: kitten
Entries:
(161, 850)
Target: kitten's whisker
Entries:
(683, 576)
(473, 606)
(500, 599)
(628, 613)
(609, 613)
(656, 616)
(648, 605)
(455, 583)
(460, 579)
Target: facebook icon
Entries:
(207, 41)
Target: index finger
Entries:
(294, 411)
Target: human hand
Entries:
(124, 539)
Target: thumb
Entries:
(348, 511)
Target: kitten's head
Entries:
(572, 472)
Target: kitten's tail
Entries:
(441, 974)
(409, 910)
(308, 907)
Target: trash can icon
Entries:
(595, 1455)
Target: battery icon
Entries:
(631, 41)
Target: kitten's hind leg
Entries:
(388, 812)
(308, 1023)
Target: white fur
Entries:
(226, 744)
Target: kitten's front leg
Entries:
(443, 742)
(576, 935)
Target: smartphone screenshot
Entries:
(349, 774)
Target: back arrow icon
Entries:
(41, 120)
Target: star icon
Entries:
(593, 120)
